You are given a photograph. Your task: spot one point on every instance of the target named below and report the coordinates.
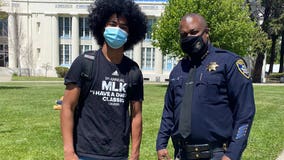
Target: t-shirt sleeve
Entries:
(136, 88)
(73, 75)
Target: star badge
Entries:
(212, 66)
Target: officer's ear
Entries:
(207, 32)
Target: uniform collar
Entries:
(211, 51)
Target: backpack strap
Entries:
(86, 77)
(88, 64)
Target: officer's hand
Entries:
(225, 158)
(163, 154)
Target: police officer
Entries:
(209, 103)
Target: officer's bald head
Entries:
(195, 18)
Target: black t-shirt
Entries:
(102, 128)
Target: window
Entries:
(85, 32)
(38, 27)
(150, 23)
(4, 48)
(3, 27)
(65, 26)
(129, 53)
(84, 48)
(65, 54)
(169, 62)
(148, 58)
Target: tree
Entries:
(46, 67)
(278, 26)
(230, 25)
(272, 24)
(260, 48)
(3, 15)
(281, 69)
(261, 43)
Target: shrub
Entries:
(276, 75)
(61, 71)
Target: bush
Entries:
(276, 75)
(61, 71)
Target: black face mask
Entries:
(194, 46)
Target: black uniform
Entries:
(222, 106)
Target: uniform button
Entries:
(197, 155)
(196, 149)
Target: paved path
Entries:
(281, 156)
(5, 75)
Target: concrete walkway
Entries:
(5, 74)
(281, 156)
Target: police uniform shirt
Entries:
(103, 127)
(222, 105)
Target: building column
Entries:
(137, 53)
(11, 41)
(75, 37)
(55, 40)
(158, 61)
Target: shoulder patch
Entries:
(242, 68)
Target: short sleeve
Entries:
(73, 75)
(137, 89)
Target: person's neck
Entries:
(113, 55)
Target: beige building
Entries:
(44, 34)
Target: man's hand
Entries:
(225, 158)
(163, 154)
(70, 156)
(134, 156)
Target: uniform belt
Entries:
(198, 151)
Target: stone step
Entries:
(5, 74)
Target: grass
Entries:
(32, 78)
(29, 127)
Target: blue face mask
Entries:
(115, 37)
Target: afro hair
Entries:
(101, 10)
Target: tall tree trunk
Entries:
(281, 53)
(272, 53)
(267, 11)
(256, 76)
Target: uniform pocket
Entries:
(208, 91)
(178, 86)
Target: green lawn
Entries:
(29, 127)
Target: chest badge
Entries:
(212, 66)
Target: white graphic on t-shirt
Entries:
(113, 91)
(115, 73)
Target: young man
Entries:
(209, 104)
(98, 125)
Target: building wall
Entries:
(39, 38)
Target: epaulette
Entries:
(218, 50)
(228, 53)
